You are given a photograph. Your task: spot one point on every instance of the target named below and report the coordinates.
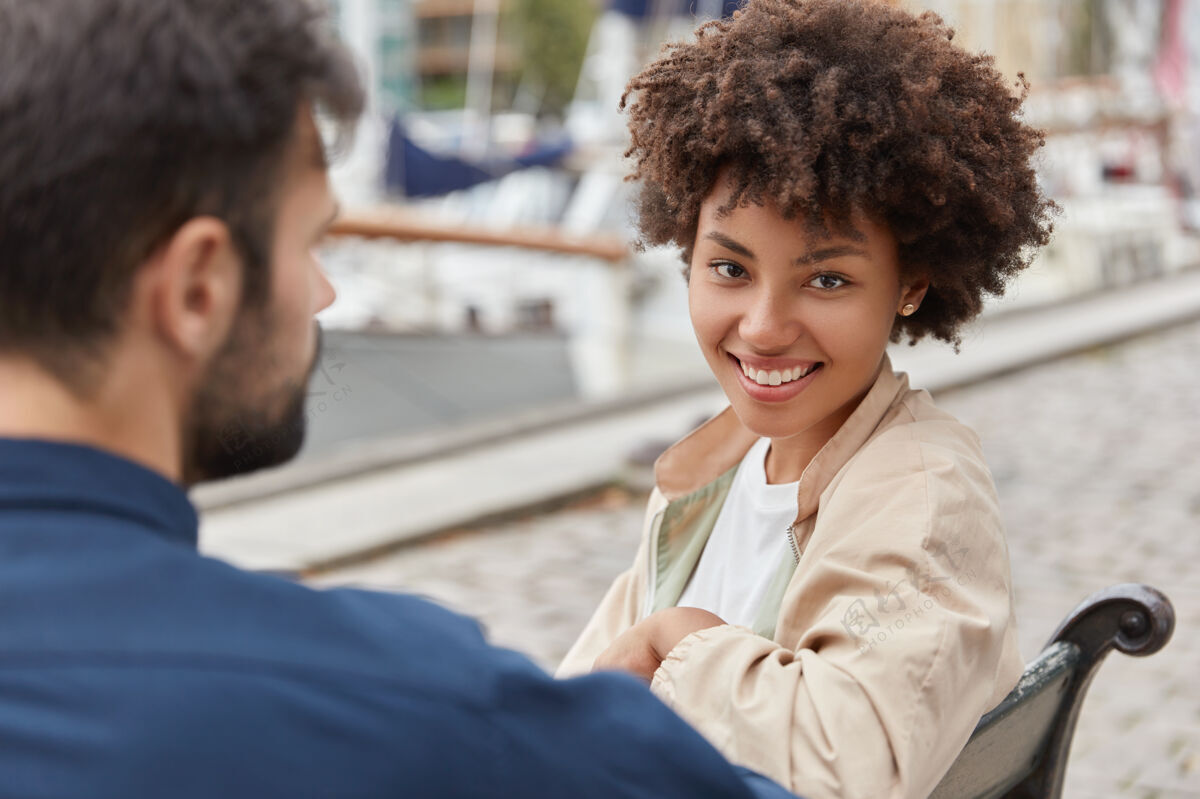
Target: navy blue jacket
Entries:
(131, 666)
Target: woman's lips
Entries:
(769, 382)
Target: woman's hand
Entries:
(640, 649)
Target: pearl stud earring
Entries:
(908, 310)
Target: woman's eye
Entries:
(728, 270)
(828, 282)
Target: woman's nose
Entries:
(770, 323)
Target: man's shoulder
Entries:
(172, 669)
(267, 619)
(129, 599)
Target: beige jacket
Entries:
(879, 648)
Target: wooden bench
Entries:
(1019, 749)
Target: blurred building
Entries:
(384, 35)
(450, 33)
(454, 54)
(1115, 84)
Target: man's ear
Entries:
(195, 287)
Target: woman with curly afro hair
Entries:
(823, 585)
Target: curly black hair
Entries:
(825, 107)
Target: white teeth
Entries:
(776, 377)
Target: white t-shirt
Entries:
(747, 543)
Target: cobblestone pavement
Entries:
(1097, 461)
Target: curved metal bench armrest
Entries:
(1133, 618)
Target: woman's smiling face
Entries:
(793, 324)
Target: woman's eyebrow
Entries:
(826, 253)
(815, 256)
(729, 244)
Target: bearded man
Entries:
(162, 189)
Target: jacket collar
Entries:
(720, 443)
(57, 476)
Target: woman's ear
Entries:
(912, 293)
(195, 288)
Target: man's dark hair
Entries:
(122, 119)
(827, 106)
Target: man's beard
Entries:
(238, 425)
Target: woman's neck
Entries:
(787, 458)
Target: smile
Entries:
(777, 377)
(777, 382)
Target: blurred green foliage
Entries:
(444, 92)
(552, 37)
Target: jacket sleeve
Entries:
(902, 612)
(621, 607)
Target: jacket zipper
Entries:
(791, 537)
